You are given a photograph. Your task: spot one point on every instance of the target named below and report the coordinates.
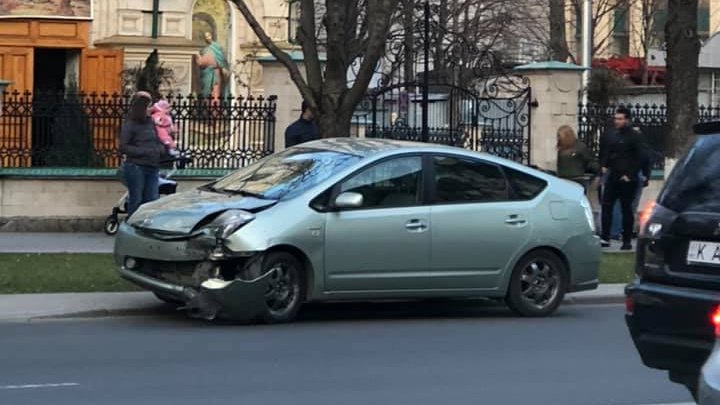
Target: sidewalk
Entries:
(32, 306)
(12, 242)
(21, 307)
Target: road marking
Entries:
(33, 386)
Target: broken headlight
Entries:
(228, 222)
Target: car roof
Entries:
(371, 146)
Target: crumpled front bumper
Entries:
(215, 298)
(164, 267)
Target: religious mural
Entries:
(79, 9)
(211, 27)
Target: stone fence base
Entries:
(62, 205)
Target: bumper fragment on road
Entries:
(36, 386)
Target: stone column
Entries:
(555, 88)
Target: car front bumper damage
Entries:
(192, 271)
(214, 298)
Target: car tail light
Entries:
(645, 215)
(715, 319)
(629, 305)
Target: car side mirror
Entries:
(349, 200)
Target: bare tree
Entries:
(683, 50)
(645, 29)
(349, 32)
(559, 49)
(603, 10)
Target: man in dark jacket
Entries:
(303, 130)
(624, 158)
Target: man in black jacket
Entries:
(623, 159)
(303, 130)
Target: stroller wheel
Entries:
(112, 223)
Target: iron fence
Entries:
(80, 130)
(595, 120)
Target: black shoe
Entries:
(604, 243)
(626, 246)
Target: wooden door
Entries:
(101, 75)
(16, 66)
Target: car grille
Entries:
(180, 273)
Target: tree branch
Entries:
(308, 41)
(278, 53)
(378, 25)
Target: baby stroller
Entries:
(166, 184)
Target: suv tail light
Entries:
(630, 306)
(645, 215)
(715, 319)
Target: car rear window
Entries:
(694, 184)
(524, 186)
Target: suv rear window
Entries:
(695, 181)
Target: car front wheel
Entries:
(286, 287)
(538, 284)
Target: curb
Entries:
(609, 299)
(166, 309)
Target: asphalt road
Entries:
(390, 353)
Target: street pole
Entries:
(587, 41)
(426, 76)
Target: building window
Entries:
(620, 21)
(293, 21)
(703, 22)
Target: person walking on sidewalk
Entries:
(142, 153)
(304, 129)
(622, 162)
(574, 160)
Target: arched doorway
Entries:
(212, 26)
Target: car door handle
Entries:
(415, 225)
(515, 220)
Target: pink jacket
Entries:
(163, 123)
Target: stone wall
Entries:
(65, 204)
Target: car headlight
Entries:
(230, 221)
(585, 203)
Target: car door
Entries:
(476, 229)
(385, 243)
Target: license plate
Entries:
(704, 253)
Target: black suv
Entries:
(677, 287)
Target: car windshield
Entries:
(285, 174)
(694, 183)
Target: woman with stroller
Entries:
(142, 153)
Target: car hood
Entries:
(181, 213)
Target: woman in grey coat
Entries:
(142, 153)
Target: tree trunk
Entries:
(558, 42)
(334, 124)
(683, 49)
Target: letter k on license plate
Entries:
(704, 253)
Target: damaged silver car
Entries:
(346, 218)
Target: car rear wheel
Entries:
(538, 284)
(286, 289)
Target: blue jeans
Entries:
(142, 185)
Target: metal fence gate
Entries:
(471, 101)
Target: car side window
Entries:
(524, 186)
(460, 180)
(392, 183)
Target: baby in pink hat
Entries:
(166, 130)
